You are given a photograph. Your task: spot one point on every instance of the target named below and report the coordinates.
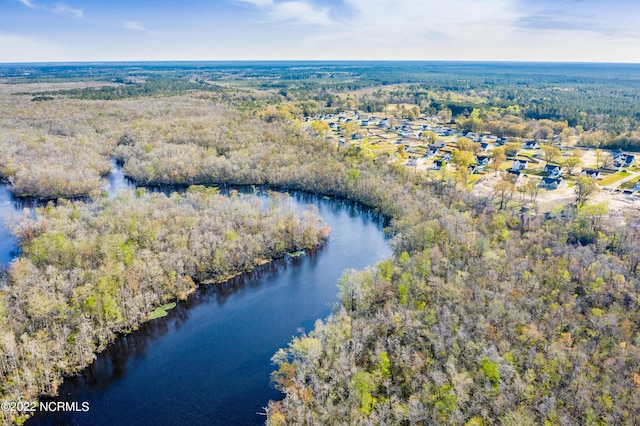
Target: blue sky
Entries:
(516, 30)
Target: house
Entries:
(488, 138)
(437, 165)
(483, 160)
(514, 175)
(531, 145)
(622, 159)
(439, 144)
(485, 146)
(593, 174)
(519, 165)
(446, 156)
(364, 123)
(550, 183)
(430, 153)
(552, 170)
(473, 170)
(449, 132)
(629, 159)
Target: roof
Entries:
(551, 181)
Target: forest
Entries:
(484, 315)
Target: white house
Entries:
(519, 165)
(550, 183)
(593, 174)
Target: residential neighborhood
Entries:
(429, 145)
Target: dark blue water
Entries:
(8, 209)
(208, 362)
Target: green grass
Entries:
(630, 183)
(613, 178)
(474, 178)
(161, 311)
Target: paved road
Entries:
(621, 181)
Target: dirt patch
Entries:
(620, 204)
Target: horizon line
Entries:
(319, 61)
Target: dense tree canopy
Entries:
(484, 315)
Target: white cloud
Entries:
(137, 26)
(133, 25)
(296, 11)
(28, 3)
(62, 9)
(449, 30)
(427, 29)
(259, 3)
(58, 9)
(300, 12)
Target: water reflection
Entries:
(8, 210)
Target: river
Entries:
(208, 361)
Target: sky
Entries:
(471, 30)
